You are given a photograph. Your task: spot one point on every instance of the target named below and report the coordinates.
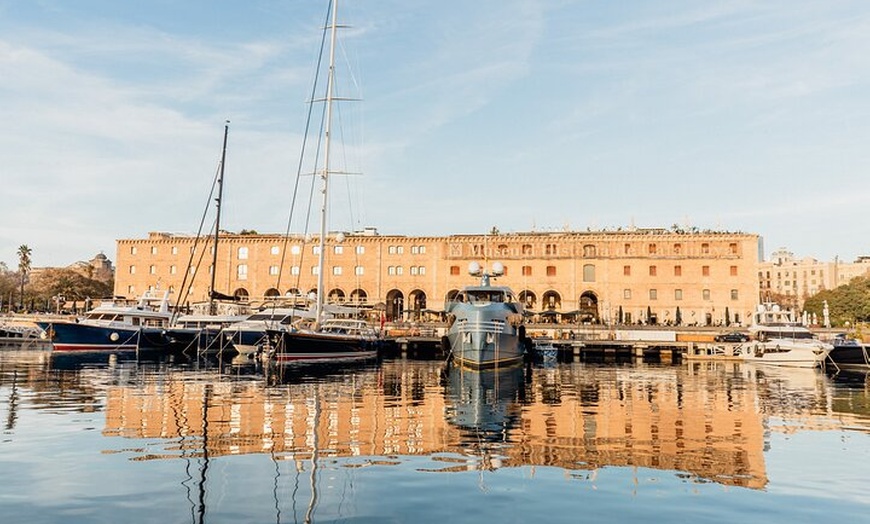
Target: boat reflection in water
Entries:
(485, 406)
(303, 432)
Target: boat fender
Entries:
(114, 337)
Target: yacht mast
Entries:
(324, 175)
(217, 221)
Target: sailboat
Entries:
(329, 339)
(201, 331)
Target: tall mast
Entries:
(324, 176)
(217, 221)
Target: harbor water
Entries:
(114, 439)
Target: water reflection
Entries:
(706, 422)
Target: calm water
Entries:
(415, 441)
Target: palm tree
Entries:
(24, 253)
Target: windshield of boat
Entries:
(487, 296)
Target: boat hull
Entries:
(75, 337)
(785, 353)
(482, 338)
(850, 355)
(289, 347)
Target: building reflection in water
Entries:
(704, 421)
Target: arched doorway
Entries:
(528, 299)
(272, 293)
(588, 307)
(552, 301)
(417, 300)
(241, 294)
(358, 296)
(395, 305)
(336, 296)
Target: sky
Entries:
(526, 116)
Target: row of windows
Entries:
(591, 250)
(678, 294)
(678, 271)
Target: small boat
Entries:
(544, 351)
(776, 338)
(485, 323)
(328, 339)
(849, 353)
(114, 325)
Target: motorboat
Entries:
(849, 353)
(248, 337)
(777, 338)
(485, 322)
(114, 325)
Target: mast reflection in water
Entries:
(412, 440)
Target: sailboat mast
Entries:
(217, 221)
(324, 176)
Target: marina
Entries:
(392, 440)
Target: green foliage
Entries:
(69, 284)
(847, 303)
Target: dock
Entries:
(585, 342)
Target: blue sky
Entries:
(546, 115)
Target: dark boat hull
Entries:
(850, 355)
(71, 336)
(302, 346)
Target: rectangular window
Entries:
(273, 270)
(423, 270)
(132, 250)
(358, 270)
(152, 270)
(315, 270)
(732, 248)
(733, 294)
(338, 250)
(315, 250)
(243, 253)
(653, 294)
(391, 270)
(454, 270)
(551, 271)
(132, 270)
(626, 271)
(626, 294)
(705, 248)
(153, 250)
(400, 270)
(652, 271)
(242, 271)
(678, 294)
(173, 270)
(414, 250)
(295, 250)
(413, 269)
(527, 271)
(275, 250)
(174, 250)
(336, 270)
(678, 271)
(391, 250)
(627, 249)
(550, 249)
(295, 270)
(652, 249)
(705, 294)
(422, 250)
(705, 271)
(360, 250)
(733, 271)
(678, 248)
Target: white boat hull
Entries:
(784, 352)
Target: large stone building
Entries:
(633, 276)
(791, 280)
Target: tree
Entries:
(24, 253)
(67, 285)
(847, 303)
